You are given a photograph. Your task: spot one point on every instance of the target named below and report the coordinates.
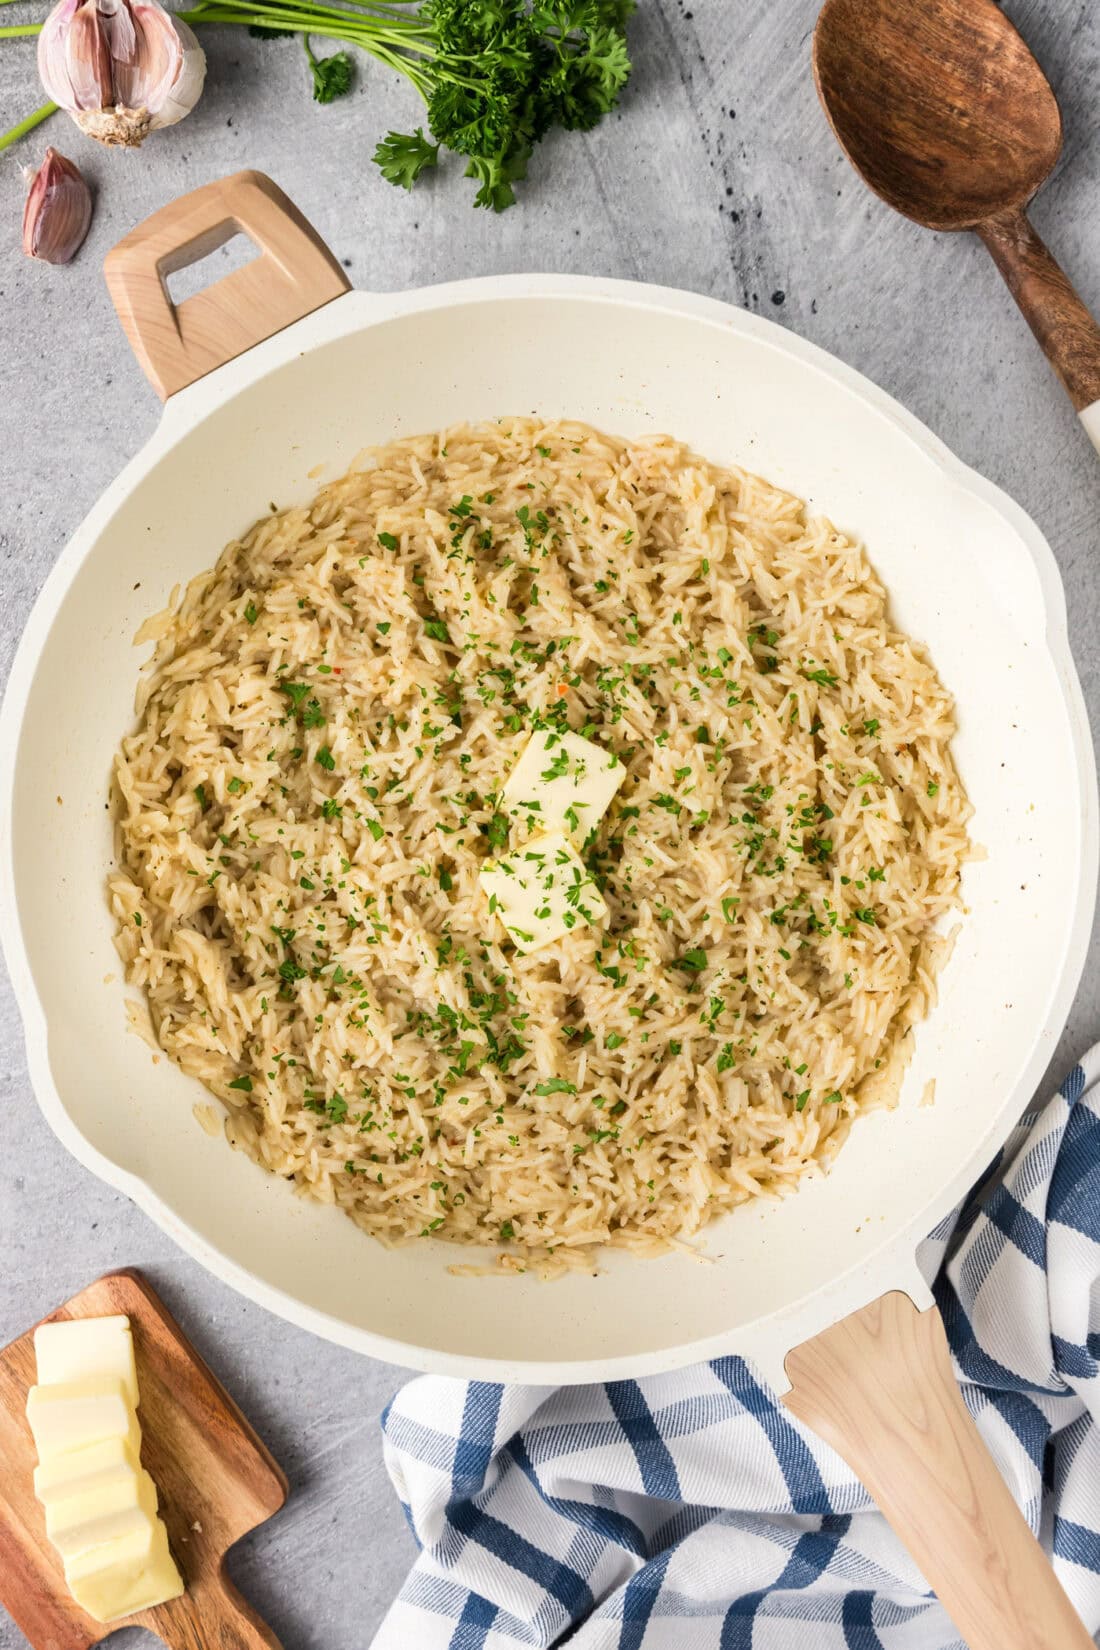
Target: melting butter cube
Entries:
(562, 782)
(132, 1572)
(542, 891)
(74, 1347)
(90, 1468)
(74, 1413)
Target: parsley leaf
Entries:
(402, 157)
(331, 75)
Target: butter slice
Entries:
(80, 1523)
(75, 1413)
(133, 1572)
(562, 782)
(542, 891)
(75, 1347)
(93, 1467)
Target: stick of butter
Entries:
(100, 1504)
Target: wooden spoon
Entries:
(945, 114)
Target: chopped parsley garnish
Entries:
(497, 831)
(242, 1083)
(388, 542)
(694, 961)
(325, 759)
(436, 629)
(295, 691)
(555, 1085)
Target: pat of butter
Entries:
(95, 1466)
(75, 1347)
(75, 1413)
(133, 1572)
(542, 891)
(562, 782)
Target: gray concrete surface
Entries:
(718, 175)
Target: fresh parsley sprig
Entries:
(496, 75)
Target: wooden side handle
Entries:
(1056, 315)
(879, 1387)
(177, 343)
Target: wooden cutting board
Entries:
(215, 1480)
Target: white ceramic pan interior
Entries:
(969, 575)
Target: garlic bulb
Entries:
(121, 68)
(57, 211)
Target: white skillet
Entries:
(277, 369)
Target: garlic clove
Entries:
(121, 68)
(186, 89)
(57, 211)
(145, 73)
(88, 58)
(74, 60)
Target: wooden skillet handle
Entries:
(1069, 335)
(177, 343)
(879, 1387)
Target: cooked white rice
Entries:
(297, 886)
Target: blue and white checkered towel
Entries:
(691, 1512)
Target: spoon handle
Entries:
(1056, 315)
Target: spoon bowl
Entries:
(940, 107)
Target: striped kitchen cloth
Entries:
(691, 1512)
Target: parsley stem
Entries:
(27, 125)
